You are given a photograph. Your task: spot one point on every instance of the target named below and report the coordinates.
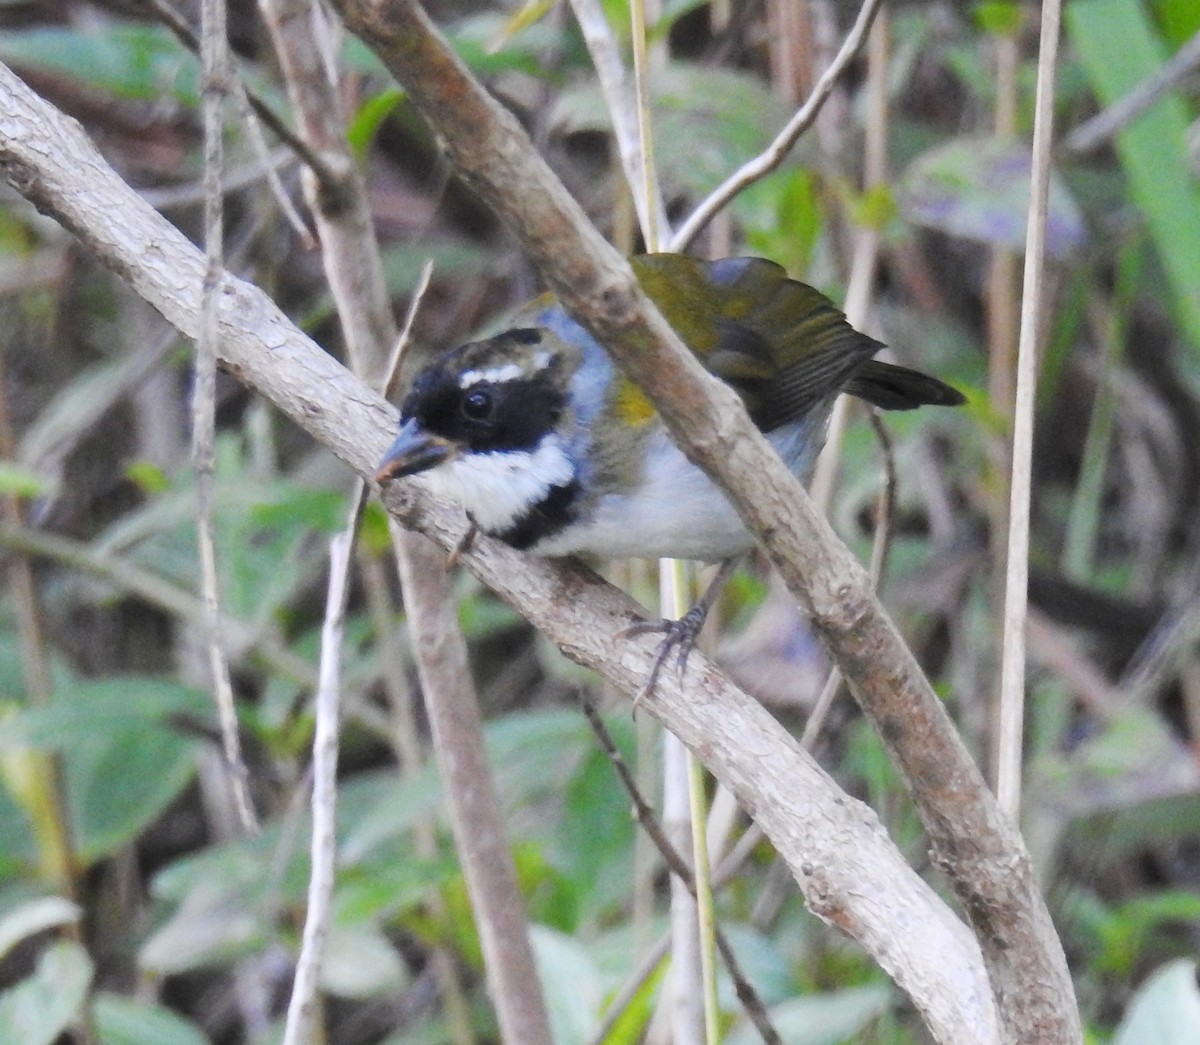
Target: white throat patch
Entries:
(499, 487)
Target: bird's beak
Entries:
(414, 450)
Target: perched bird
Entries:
(549, 447)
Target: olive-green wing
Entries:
(783, 346)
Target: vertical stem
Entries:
(1110, 322)
(1002, 307)
(1012, 677)
(215, 73)
(682, 772)
(866, 245)
(476, 816)
(651, 233)
(684, 1010)
(305, 1003)
(705, 916)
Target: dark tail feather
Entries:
(892, 387)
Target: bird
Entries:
(552, 449)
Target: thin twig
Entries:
(392, 370)
(178, 25)
(303, 1006)
(248, 114)
(858, 303)
(214, 62)
(645, 816)
(621, 1001)
(777, 151)
(1002, 308)
(885, 507)
(880, 547)
(1110, 122)
(476, 818)
(602, 45)
(690, 999)
(864, 263)
(1012, 669)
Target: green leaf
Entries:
(762, 963)
(1127, 929)
(488, 43)
(121, 783)
(1179, 19)
(529, 13)
(781, 217)
(87, 710)
(1119, 48)
(359, 962)
(388, 807)
(263, 529)
(39, 1008)
(823, 1019)
(978, 187)
(875, 207)
(595, 844)
(124, 1021)
(125, 761)
(999, 17)
(286, 507)
(388, 885)
(218, 921)
(370, 117)
(707, 121)
(570, 985)
(33, 916)
(20, 482)
(630, 1026)
(403, 262)
(133, 61)
(148, 477)
(1165, 1010)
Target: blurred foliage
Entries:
(125, 891)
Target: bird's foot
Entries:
(465, 543)
(679, 636)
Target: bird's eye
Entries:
(477, 405)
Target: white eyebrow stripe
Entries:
(493, 375)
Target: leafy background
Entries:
(128, 901)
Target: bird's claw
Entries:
(678, 635)
(465, 543)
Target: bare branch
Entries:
(644, 815)
(475, 814)
(1016, 595)
(214, 60)
(1108, 124)
(777, 151)
(178, 25)
(622, 108)
(303, 1005)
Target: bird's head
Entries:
(487, 422)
